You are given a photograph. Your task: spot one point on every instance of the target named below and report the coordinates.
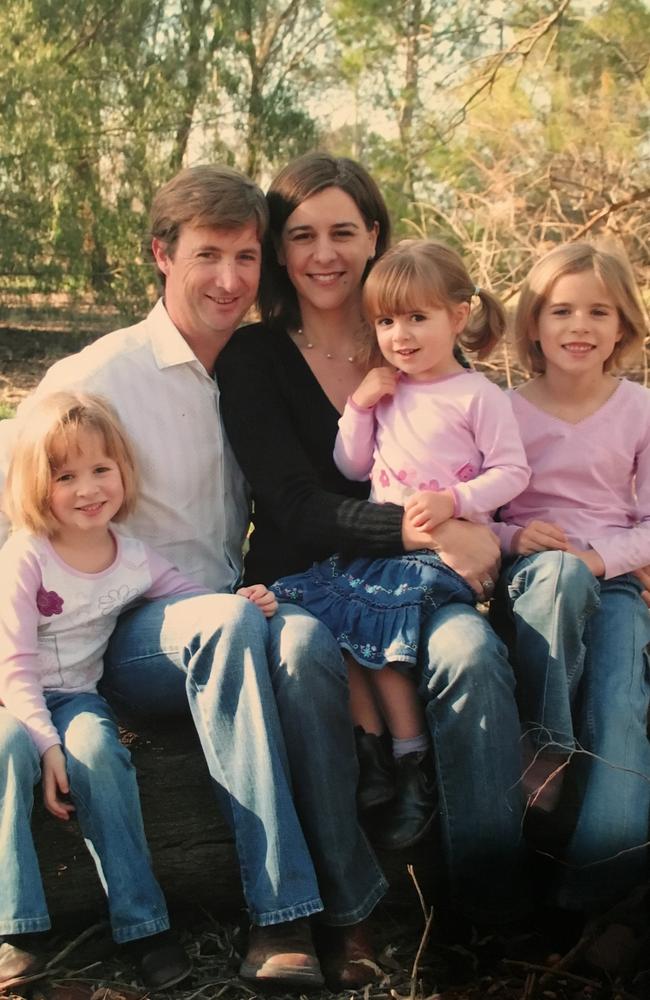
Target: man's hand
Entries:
(378, 382)
(539, 536)
(260, 595)
(472, 550)
(56, 786)
(426, 509)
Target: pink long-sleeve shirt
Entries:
(55, 621)
(591, 478)
(455, 432)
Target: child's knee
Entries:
(18, 753)
(93, 743)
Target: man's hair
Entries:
(47, 435)
(206, 195)
(611, 266)
(306, 176)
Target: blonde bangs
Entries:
(611, 266)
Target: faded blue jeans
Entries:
(582, 669)
(105, 793)
(468, 689)
(270, 705)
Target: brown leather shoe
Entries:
(347, 957)
(282, 953)
(17, 961)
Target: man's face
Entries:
(212, 278)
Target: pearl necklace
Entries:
(330, 357)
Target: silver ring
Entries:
(488, 586)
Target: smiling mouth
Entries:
(91, 508)
(407, 352)
(578, 347)
(326, 278)
(222, 300)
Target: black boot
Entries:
(412, 812)
(376, 771)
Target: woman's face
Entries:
(325, 246)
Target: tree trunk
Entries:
(191, 845)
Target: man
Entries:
(269, 706)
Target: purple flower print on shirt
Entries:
(467, 472)
(48, 602)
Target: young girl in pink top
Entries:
(440, 440)
(576, 534)
(67, 573)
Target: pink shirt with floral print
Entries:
(55, 621)
(455, 432)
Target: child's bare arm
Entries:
(260, 595)
(55, 783)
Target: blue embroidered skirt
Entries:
(375, 607)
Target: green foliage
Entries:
(499, 126)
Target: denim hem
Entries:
(26, 925)
(360, 912)
(306, 909)
(122, 935)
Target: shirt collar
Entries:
(168, 345)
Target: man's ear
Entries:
(161, 255)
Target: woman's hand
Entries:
(260, 595)
(55, 783)
(379, 382)
(471, 550)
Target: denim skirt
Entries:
(375, 607)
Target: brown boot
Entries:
(19, 958)
(282, 953)
(347, 957)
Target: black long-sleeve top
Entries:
(282, 428)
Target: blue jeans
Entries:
(468, 689)
(105, 793)
(270, 706)
(596, 688)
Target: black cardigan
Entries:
(282, 428)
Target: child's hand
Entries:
(643, 575)
(55, 783)
(260, 595)
(590, 558)
(378, 382)
(426, 509)
(539, 536)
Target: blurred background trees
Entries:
(503, 127)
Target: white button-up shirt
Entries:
(193, 505)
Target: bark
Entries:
(191, 845)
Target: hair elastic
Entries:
(477, 289)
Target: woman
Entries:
(284, 383)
